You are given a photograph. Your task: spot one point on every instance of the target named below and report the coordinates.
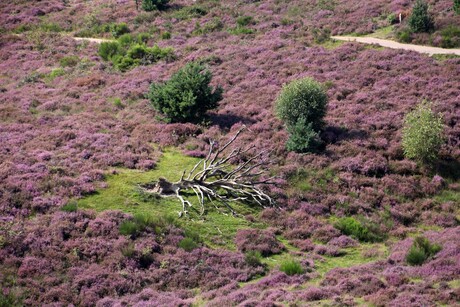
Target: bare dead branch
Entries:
(219, 181)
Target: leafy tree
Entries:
(422, 134)
(457, 6)
(187, 96)
(302, 106)
(420, 20)
(151, 5)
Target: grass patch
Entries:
(291, 267)
(216, 229)
(383, 33)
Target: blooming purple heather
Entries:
(73, 126)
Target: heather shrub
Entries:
(422, 134)
(420, 20)
(421, 250)
(253, 258)
(262, 241)
(358, 230)
(244, 21)
(151, 5)
(187, 95)
(213, 25)
(302, 106)
(291, 267)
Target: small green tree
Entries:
(420, 20)
(457, 6)
(421, 250)
(422, 134)
(151, 5)
(302, 106)
(187, 96)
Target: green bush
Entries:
(456, 6)
(69, 61)
(302, 106)
(213, 25)
(187, 244)
(126, 40)
(189, 12)
(404, 35)
(450, 37)
(302, 137)
(139, 223)
(70, 207)
(291, 267)
(253, 258)
(119, 29)
(109, 49)
(422, 134)
(187, 95)
(362, 231)
(129, 228)
(151, 5)
(420, 20)
(166, 35)
(421, 250)
(244, 21)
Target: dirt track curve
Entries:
(395, 45)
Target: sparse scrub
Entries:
(422, 134)
(69, 61)
(119, 29)
(187, 244)
(421, 250)
(187, 95)
(70, 207)
(253, 258)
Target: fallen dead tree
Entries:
(216, 180)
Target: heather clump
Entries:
(301, 105)
(263, 241)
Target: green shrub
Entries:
(189, 12)
(291, 267)
(450, 37)
(421, 250)
(69, 61)
(151, 5)
(166, 35)
(50, 27)
(56, 72)
(119, 29)
(321, 35)
(187, 95)
(187, 244)
(244, 21)
(302, 137)
(422, 134)
(392, 19)
(129, 228)
(143, 38)
(126, 40)
(70, 207)
(359, 230)
(240, 30)
(456, 6)
(404, 35)
(109, 49)
(213, 25)
(253, 258)
(420, 20)
(302, 106)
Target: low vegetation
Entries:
(421, 250)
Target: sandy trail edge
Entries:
(395, 45)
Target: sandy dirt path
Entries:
(395, 45)
(93, 40)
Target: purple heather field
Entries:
(69, 120)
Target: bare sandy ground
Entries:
(395, 45)
(93, 40)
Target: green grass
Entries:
(383, 33)
(216, 228)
